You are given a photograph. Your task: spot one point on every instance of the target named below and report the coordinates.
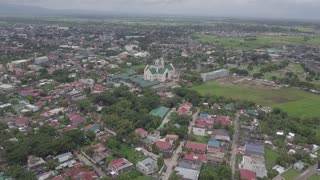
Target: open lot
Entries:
(270, 157)
(296, 102)
(259, 42)
(290, 174)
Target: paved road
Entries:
(172, 162)
(234, 147)
(307, 173)
(87, 162)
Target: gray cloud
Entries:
(250, 8)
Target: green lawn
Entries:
(270, 157)
(260, 42)
(314, 177)
(129, 153)
(296, 102)
(199, 139)
(290, 174)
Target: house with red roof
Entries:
(165, 148)
(195, 147)
(201, 127)
(22, 121)
(79, 172)
(171, 137)
(121, 165)
(223, 120)
(76, 119)
(142, 132)
(185, 109)
(247, 175)
(195, 157)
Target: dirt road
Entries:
(234, 146)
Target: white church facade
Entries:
(159, 71)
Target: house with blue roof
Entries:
(254, 149)
(214, 146)
(204, 116)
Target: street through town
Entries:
(234, 146)
(172, 162)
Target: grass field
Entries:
(199, 139)
(260, 42)
(296, 102)
(314, 177)
(270, 157)
(290, 174)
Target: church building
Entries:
(159, 71)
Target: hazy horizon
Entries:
(289, 9)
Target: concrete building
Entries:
(188, 170)
(147, 166)
(214, 75)
(41, 60)
(159, 72)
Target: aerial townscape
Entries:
(159, 98)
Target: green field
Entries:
(296, 102)
(314, 177)
(290, 174)
(199, 139)
(259, 42)
(270, 157)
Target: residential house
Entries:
(298, 166)
(223, 120)
(254, 149)
(220, 135)
(215, 158)
(185, 109)
(195, 147)
(188, 170)
(195, 157)
(213, 146)
(79, 172)
(147, 166)
(63, 157)
(142, 132)
(35, 164)
(22, 121)
(121, 165)
(255, 164)
(246, 174)
(75, 95)
(165, 148)
(171, 137)
(92, 127)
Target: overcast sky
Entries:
(306, 9)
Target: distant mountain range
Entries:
(20, 10)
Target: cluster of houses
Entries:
(252, 165)
(213, 152)
(68, 167)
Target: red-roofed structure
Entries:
(77, 173)
(142, 132)
(247, 175)
(121, 165)
(171, 137)
(195, 157)
(164, 145)
(224, 120)
(22, 121)
(195, 147)
(184, 109)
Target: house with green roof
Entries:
(160, 112)
(159, 72)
